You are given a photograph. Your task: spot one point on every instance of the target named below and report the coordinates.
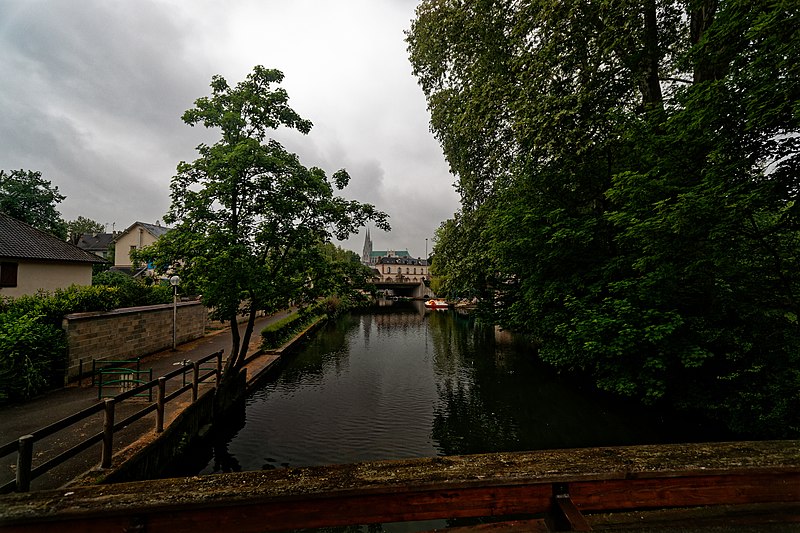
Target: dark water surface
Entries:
(405, 382)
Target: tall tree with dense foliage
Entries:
(248, 218)
(81, 225)
(28, 197)
(628, 174)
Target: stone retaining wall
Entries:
(128, 333)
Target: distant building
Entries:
(135, 237)
(403, 269)
(370, 257)
(366, 254)
(32, 260)
(97, 243)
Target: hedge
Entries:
(33, 348)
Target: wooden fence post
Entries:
(219, 367)
(162, 389)
(108, 434)
(24, 462)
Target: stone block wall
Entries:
(128, 333)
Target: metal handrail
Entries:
(24, 445)
(96, 363)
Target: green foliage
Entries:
(628, 174)
(81, 225)
(28, 197)
(50, 308)
(249, 219)
(281, 331)
(31, 352)
(133, 292)
(33, 348)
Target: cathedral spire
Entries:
(367, 252)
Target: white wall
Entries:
(32, 277)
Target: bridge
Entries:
(696, 485)
(406, 289)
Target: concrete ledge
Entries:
(157, 455)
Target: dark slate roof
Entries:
(397, 253)
(21, 241)
(95, 241)
(152, 229)
(402, 261)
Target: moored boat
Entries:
(436, 304)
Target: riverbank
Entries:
(28, 417)
(155, 455)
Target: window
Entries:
(8, 274)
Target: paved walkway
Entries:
(22, 419)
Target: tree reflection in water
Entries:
(404, 382)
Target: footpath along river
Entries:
(402, 382)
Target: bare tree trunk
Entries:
(649, 82)
(248, 332)
(701, 17)
(232, 363)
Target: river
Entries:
(404, 382)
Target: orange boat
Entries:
(437, 304)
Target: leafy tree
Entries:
(249, 219)
(341, 272)
(28, 197)
(81, 225)
(628, 174)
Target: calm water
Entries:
(404, 382)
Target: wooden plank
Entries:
(687, 491)
(536, 525)
(757, 517)
(574, 520)
(422, 489)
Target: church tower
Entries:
(366, 255)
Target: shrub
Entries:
(133, 292)
(32, 355)
(32, 345)
(279, 332)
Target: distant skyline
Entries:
(93, 93)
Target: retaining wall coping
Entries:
(128, 310)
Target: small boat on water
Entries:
(437, 304)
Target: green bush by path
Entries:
(278, 333)
(133, 292)
(31, 352)
(33, 348)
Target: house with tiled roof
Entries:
(97, 243)
(32, 260)
(402, 268)
(135, 237)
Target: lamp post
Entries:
(174, 280)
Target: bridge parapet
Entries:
(566, 484)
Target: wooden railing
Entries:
(23, 446)
(550, 490)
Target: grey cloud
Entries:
(94, 91)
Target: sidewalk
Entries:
(22, 419)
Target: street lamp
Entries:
(174, 280)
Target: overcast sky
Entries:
(92, 93)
